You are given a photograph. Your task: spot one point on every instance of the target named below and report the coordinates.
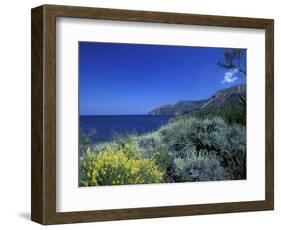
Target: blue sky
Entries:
(124, 79)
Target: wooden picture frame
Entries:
(43, 202)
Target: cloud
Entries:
(229, 76)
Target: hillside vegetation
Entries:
(187, 149)
(218, 102)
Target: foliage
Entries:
(235, 59)
(189, 132)
(200, 167)
(231, 114)
(124, 138)
(210, 137)
(234, 114)
(85, 140)
(152, 147)
(188, 148)
(117, 165)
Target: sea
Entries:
(107, 128)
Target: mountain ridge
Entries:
(229, 96)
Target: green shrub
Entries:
(152, 147)
(85, 140)
(234, 114)
(118, 165)
(234, 157)
(187, 149)
(200, 167)
(213, 136)
(124, 138)
(190, 132)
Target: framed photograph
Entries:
(137, 114)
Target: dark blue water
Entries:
(106, 127)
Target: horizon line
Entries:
(147, 113)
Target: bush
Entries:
(118, 165)
(85, 140)
(189, 132)
(212, 136)
(152, 147)
(187, 149)
(200, 167)
(234, 157)
(234, 114)
(124, 138)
